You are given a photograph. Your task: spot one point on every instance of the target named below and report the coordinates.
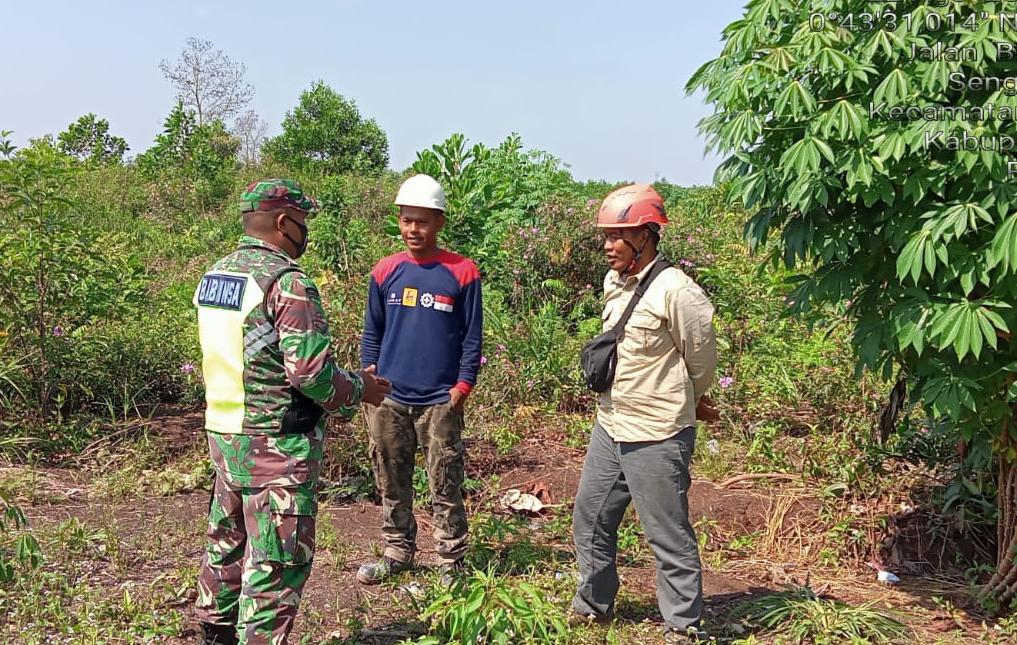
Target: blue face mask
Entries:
(302, 244)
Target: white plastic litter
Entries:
(414, 589)
(712, 447)
(517, 500)
(887, 578)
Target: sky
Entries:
(598, 84)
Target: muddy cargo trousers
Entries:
(395, 430)
(654, 475)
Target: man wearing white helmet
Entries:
(423, 331)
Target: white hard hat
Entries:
(423, 191)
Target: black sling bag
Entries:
(600, 355)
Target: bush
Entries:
(326, 135)
(63, 273)
(147, 357)
(487, 609)
(560, 259)
(490, 192)
(204, 155)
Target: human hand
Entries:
(456, 399)
(376, 388)
(706, 411)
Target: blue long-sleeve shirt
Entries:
(424, 326)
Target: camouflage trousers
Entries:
(395, 430)
(259, 553)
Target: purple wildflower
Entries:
(726, 382)
(58, 331)
(187, 368)
(483, 360)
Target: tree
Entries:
(250, 130)
(326, 134)
(206, 154)
(89, 139)
(208, 81)
(841, 143)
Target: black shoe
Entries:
(218, 634)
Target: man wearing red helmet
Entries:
(643, 438)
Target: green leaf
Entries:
(892, 145)
(966, 326)
(27, 551)
(797, 98)
(831, 61)
(920, 250)
(1003, 251)
(937, 76)
(805, 156)
(844, 118)
(894, 89)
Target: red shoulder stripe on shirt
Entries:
(464, 270)
(386, 266)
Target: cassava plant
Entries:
(846, 143)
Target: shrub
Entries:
(488, 609)
(325, 134)
(63, 273)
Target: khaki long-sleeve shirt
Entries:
(667, 356)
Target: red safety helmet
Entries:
(631, 206)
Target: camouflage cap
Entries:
(275, 193)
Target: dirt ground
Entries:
(163, 534)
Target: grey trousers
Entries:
(655, 476)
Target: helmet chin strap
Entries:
(636, 254)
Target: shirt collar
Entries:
(250, 240)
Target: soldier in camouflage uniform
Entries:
(269, 376)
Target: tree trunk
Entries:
(1002, 588)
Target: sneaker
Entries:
(577, 619)
(692, 634)
(374, 572)
(450, 571)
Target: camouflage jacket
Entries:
(269, 371)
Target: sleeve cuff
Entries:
(463, 387)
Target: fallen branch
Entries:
(731, 481)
